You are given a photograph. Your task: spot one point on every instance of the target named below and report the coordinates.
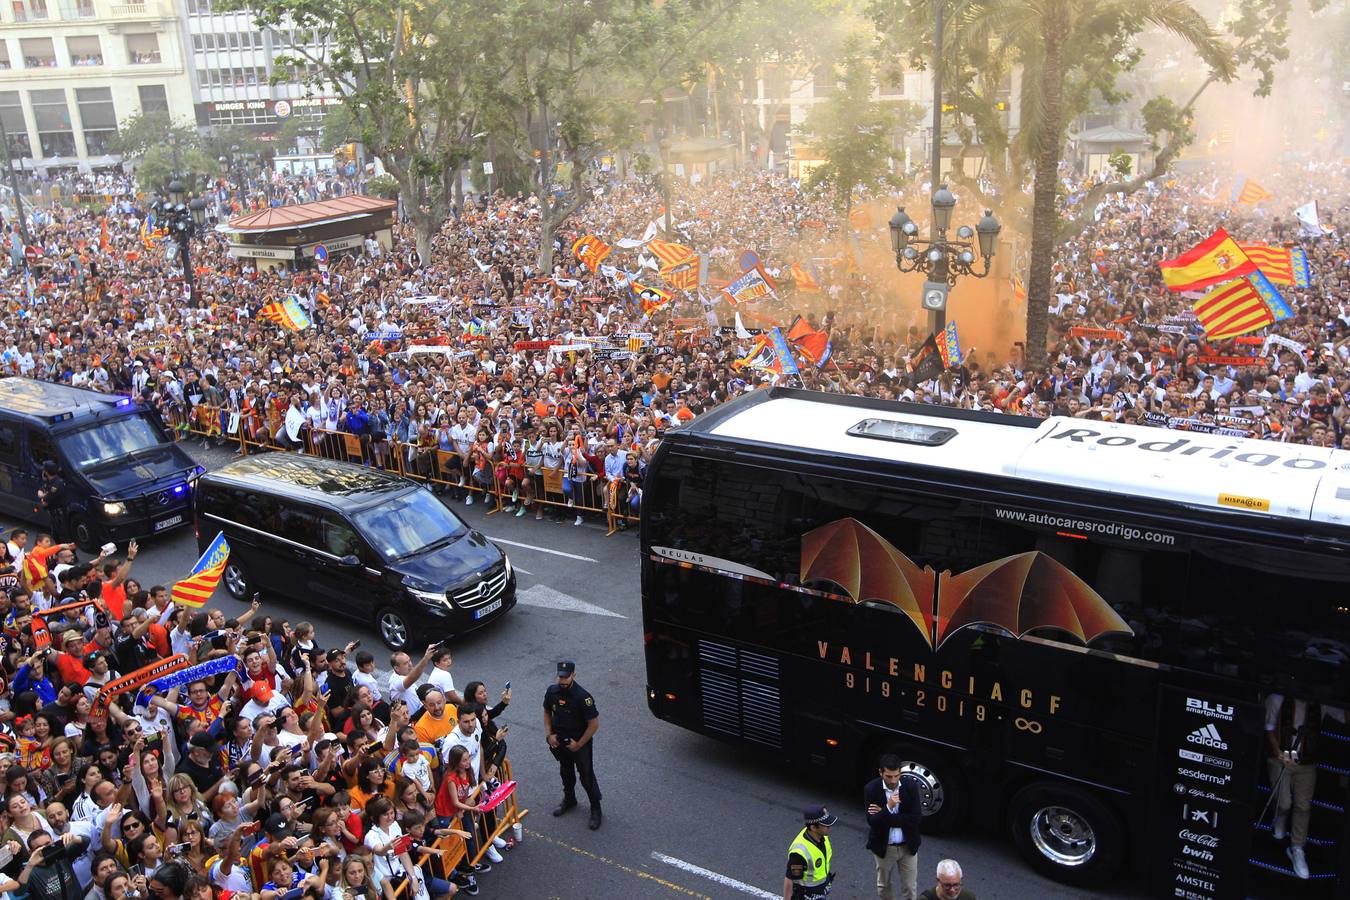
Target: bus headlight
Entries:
(114, 509)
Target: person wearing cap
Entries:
(202, 764)
(570, 723)
(810, 866)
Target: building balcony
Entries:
(128, 10)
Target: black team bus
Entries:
(1121, 646)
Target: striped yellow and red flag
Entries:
(683, 275)
(669, 253)
(591, 251)
(806, 282)
(1276, 262)
(1240, 306)
(1247, 191)
(197, 588)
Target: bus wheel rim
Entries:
(1063, 836)
(931, 792)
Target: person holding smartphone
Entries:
(49, 873)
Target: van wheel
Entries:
(393, 627)
(87, 537)
(1066, 833)
(940, 784)
(236, 581)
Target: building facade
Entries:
(71, 70)
(233, 63)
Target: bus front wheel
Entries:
(1066, 833)
(940, 787)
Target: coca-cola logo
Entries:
(1203, 840)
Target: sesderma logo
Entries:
(1208, 736)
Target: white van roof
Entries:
(1293, 481)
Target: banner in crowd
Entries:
(1190, 424)
(685, 274)
(669, 253)
(949, 346)
(1213, 261)
(1282, 265)
(1097, 334)
(1309, 220)
(135, 680)
(287, 313)
(750, 285)
(1247, 191)
(652, 298)
(1281, 341)
(197, 588)
(926, 363)
(591, 251)
(200, 672)
(1231, 361)
(520, 346)
(806, 282)
(786, 363)
(1241, 306)
(814, 345)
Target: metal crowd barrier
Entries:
(253, 432)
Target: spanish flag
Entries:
(806, 282)
(1240, 306)
(1213, 261)
(1247, 191)
(591, 251)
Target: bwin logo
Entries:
(1208, 736)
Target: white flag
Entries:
(1309, 219)
(740, 328)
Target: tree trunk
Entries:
(1044, 214)
(547, 227)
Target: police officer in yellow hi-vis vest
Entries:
(810, 858)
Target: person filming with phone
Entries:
(49, 873)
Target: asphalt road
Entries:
(685, 816)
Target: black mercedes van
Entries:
(360, 542)
(125, 476)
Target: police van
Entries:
(125, 478)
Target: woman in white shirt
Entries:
(382, 838)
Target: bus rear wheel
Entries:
(1066, 833)
(940, 787)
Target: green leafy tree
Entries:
(158, 167)
(852, 131)
(140, 133)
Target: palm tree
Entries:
(1043, 36)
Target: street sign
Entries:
(320, 254)
(487, 167)
(31, 253)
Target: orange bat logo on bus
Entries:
(1019, 593)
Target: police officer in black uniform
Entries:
(570, 723)
(53, 496)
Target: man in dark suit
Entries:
(894, 811)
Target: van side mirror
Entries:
(350, 561)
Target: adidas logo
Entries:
(1207, 736)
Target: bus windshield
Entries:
(109, 441)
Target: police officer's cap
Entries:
(51, 468)
(818, 815)
(566, 667)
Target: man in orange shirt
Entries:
(438, 718)
(113, 588)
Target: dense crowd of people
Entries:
(269, 766)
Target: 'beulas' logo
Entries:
(1019, 593)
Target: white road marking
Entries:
(546, 597)
(520, 570)
(718, 877)
(540, 549)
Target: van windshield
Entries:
(408, 524)
(109, 440)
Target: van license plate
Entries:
(168, 523)
(488, 610)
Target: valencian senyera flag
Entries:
(683, 275)
(749, 285)
(1282, 265)
(197, 588)
(1213, 261)
(1240, 306)
(591, 251)
(949, 346)
(1247, 191)
(287, 313)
